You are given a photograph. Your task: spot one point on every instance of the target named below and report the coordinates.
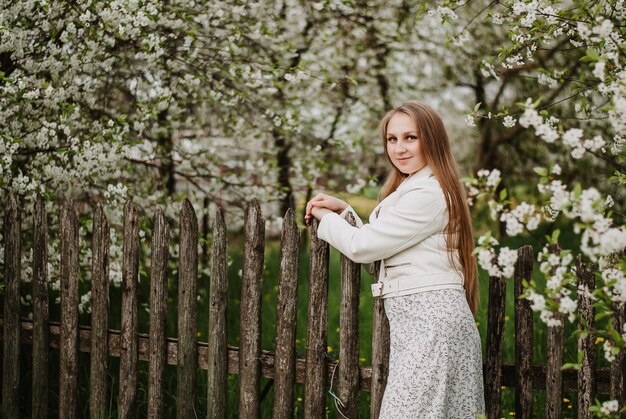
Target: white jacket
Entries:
(406, 233)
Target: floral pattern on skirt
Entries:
(435, 363)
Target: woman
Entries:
(421, 232)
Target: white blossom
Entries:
(610, 406)
(509, 121)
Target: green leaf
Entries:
(353, 81)
(568, 366)
(602, 315)
(541, 171)
(503, 194)
(592, 55)
(477, 106)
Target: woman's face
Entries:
(403, 146)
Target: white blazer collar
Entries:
(421, 174)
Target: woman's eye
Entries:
(391, 139)
(412, 137)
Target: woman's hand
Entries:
(323, 201)
(318, 213)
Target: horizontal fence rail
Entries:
(269, 361)
(249, 361)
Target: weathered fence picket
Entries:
(98, 369)
(187, 313)
(523, 336)
(316, 337)
(250, 329)
(348, 384)
(495, 345)
(618, 366)
(217, 354)
(11, 339)
(40, 311)
(68, 371)
(158, 314)
(249, 360)
(284, 367)
(380, 353)
(127, 396)
(586, 374)
(554, 375)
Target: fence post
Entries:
(128, 337)
(317, 321)
(618, 366)
(11, 335)
(158, 313)
(98, 396)
(554, 360)
(187, 312)
(495, 334)
(554, 376)
(380, 352)
(285, 363)
(348, 385)
(586, 374)
(68, 380)
(523, 336)
(40, 311)
(250, 314)
(217, 353)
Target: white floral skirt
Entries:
(435, 363)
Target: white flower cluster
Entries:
(485, 181)
(488, 70)
(543, 128)
(545, 80)
(600, 239)
(509, 121)
(443, 13)
(522, 214)
(617, 115)
(599, 236)
(84, 306)
(609, 407)
(539, 304)
(7, 150)
(615, 281)
(532, 10)
(557, 269)
(609, 350)
(502, 265)
(357, 186)
(490, 177)
(116, 194)
(572, 138)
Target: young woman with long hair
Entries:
(421, 232)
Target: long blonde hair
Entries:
(435, 148)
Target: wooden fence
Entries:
(249, 361)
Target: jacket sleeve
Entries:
(416, 215)
(349, 209)
(369, 267)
